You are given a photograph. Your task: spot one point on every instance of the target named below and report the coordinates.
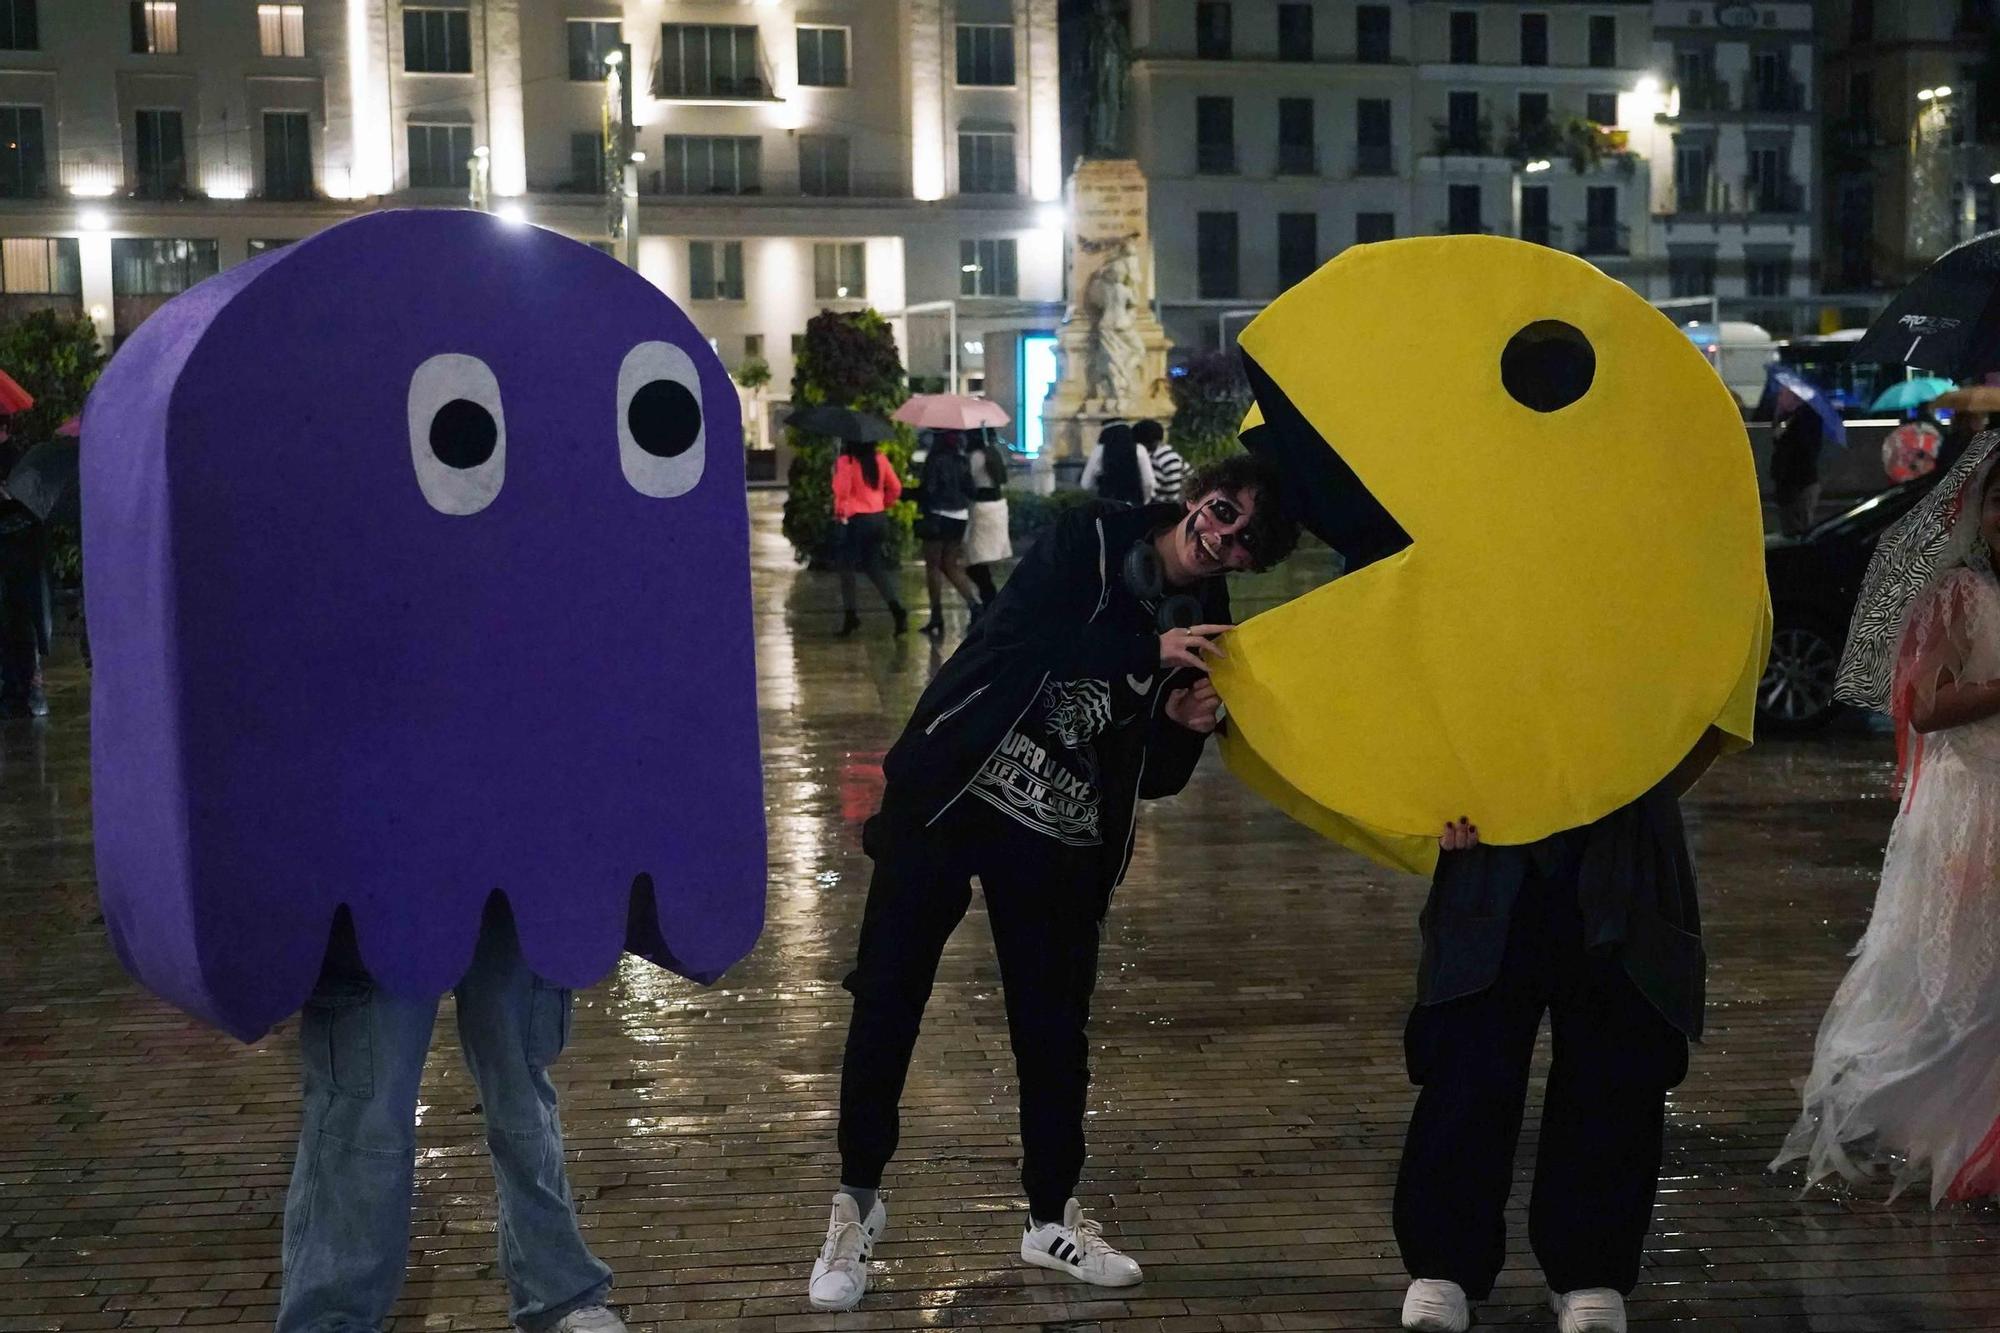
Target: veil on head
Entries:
(1941, 533)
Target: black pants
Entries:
(1046, 910)
(862, 539)
(1603, 1113)
(25, 619)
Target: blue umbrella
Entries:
(1905, 395)
(1807, 392)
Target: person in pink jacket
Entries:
(865, 485)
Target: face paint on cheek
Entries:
(441, 593)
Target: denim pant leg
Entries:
(347, 1213)
(512, 1026)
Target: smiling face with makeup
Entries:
(1210, 540)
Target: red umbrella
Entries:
(13, 398)
(72, 428)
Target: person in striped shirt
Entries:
(1169, 468)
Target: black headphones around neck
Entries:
(1146, 580)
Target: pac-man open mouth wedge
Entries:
(1554, 544)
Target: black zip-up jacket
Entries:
(1065, 614)
(947, 482)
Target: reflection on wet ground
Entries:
(1245, 1119)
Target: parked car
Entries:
(1814, 580)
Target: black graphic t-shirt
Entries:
(1045, 774)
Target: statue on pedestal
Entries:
(1110, 57)
(1117, 353)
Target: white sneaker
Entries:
(1077, 1246)
(1588, 1310)
(1432, 1305)
(840, 1274)
(590, 1319)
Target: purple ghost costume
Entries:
(418, 567)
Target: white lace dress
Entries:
(1905, 1082)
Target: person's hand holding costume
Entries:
(1460, 836)
(1189, 647)
(1196, 707)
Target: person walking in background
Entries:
(1169, 468)
(1905, 1076)
(1796, 437)
(1118, 469)
(986, 539)
(865, 486)
(944, 507)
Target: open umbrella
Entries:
(1947, 320)
(44, 481)
(950, 411)
(843, 423)
(1905, 395)
(73, 428)
(1978, 398)
(1806, 391)
(13, 398)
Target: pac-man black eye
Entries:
(458, 433)
(664, 418)
(1548, 365)
(661, 434)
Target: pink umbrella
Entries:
(950, 411)
(72, 428)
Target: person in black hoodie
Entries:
(1082, 691)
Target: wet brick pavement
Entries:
(1245, 1118)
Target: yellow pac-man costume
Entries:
(1555, 560)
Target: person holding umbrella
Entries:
(26, 599)
(1798, 431)
(986, 537)
(944, 512)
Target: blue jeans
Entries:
(347, 1213)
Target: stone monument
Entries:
(1111, 351)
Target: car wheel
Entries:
(1796, 693)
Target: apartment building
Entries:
(796, 155)
(1277, 132)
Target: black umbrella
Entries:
(44, 481)
(843, 423)
(1946, 321)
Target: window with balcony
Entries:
(824, 165)
(1603, 41)
(1374, 154)
(1601, 108)
(986, 162)
(1298, 247)
(437, 41)
(1213, 38)
(1464, 36)
(822, 57)
(586, 163)
(281, 31)
(986, 55)
(1772, 87)
(1372, 30)
(18, 29)
(24, 169)
(1767, 274)
(715, 270)
(702, 60)
(1465, 130)
(1690, 271)
(1535, 225)
(1769, 184)
(1372, 227)
(840, 271)
(989, 268)
(1215, 135)
(440, 157)
(1694, 71)
(711, 164)
(1463, 211)
(1603, 234)
(288, 172)
(156, 27)
(1694, 165)
(1295, 32)
(40, 266)
(1532, 112)
(590, 40)
(162, 155)
(1298, 155)
(1218, 271)
(1534, 39)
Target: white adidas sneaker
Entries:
(1432, 1305)
(1588, 1310)
(840, 1274)
(1077, 1246)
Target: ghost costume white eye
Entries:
(458, 434)
(662, 440)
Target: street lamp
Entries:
(1539, 164)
